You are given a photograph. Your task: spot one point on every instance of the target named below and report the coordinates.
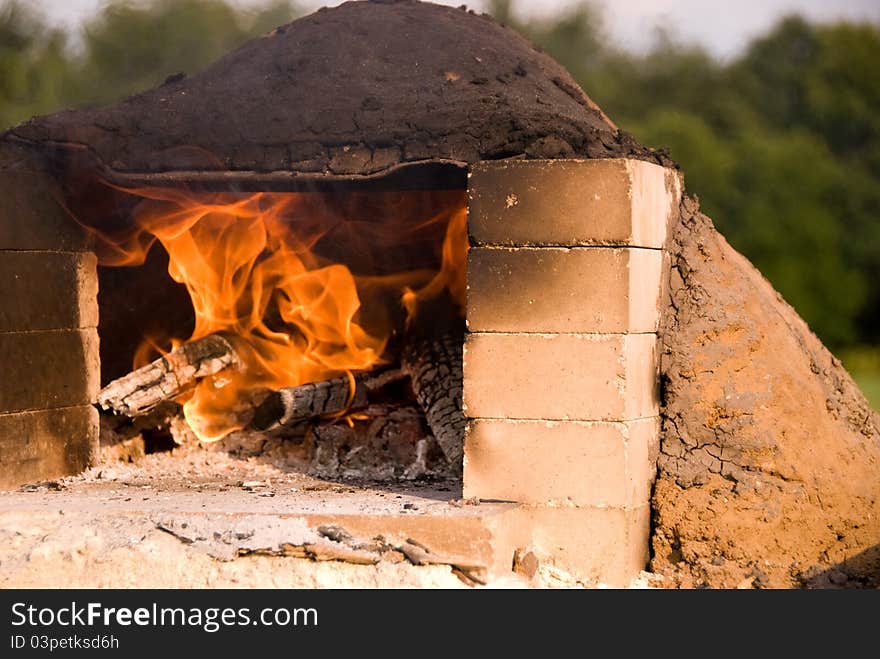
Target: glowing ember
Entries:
(267, 271)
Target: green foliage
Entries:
(124, 49)
(782, 144)
(864, 365)
(34, 74)
(133, 48)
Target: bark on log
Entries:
(288, 407)
(169, 376)
(432, 355)
(434, 365)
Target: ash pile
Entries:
(374, 426)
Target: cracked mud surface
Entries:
(769, 468)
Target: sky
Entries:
(721, 27)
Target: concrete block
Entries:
(571, 202)
(32, 216)
(564, 290)
(581, 463)
(598, 546)
(37, 446)
(47, 370)
(589, 377)
(48, 290)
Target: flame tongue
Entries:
(252, 272)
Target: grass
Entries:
(869, 383)
(863, 363)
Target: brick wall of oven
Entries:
(565, 274)
(561, 361)
(48, 329)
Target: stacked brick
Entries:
(48, 329)
(565, 275)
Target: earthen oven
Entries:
(338, 154)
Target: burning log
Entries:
(293, 405)
(169, 376)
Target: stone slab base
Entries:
(219, 522)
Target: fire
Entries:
(294, 281)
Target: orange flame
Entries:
(254, 272)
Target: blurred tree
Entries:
(825, 79)
(34, 74)
(130, 48)
(126, 48)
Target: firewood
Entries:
(432, 357)
(168, 377)
(434, 366)
(293, 405)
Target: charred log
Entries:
(432, 358)
(168, 377)
(435, 368)
(293, 405)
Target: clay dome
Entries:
(353, 91)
